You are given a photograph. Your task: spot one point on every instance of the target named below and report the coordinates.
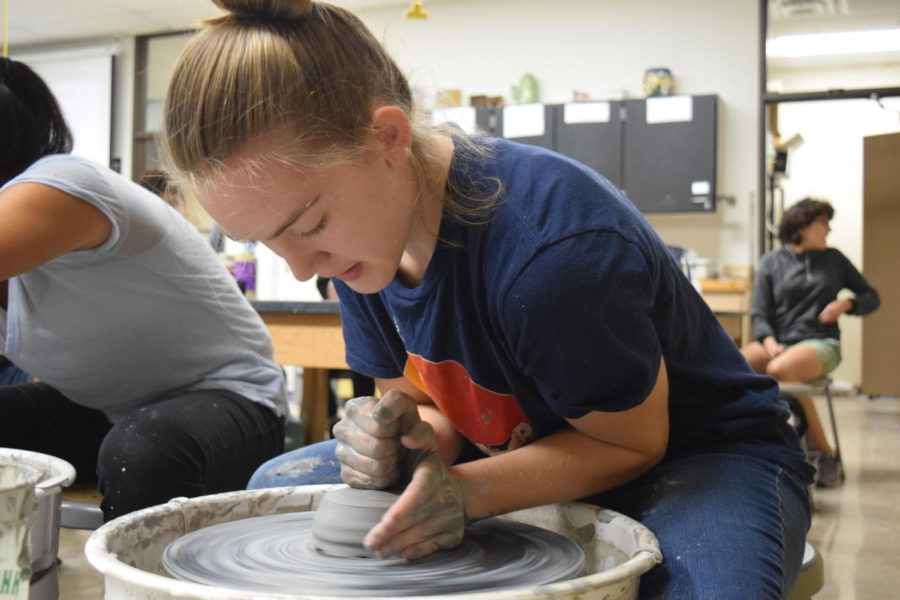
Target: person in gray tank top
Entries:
(153, 374)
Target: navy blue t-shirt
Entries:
(560, 304)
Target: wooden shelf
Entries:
(723, 285)
(730, 300)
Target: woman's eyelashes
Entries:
(317, 229)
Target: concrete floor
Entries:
(77, 578)
(856, 527)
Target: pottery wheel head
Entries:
(345, 516)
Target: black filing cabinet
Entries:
(594, 140)
(661, 151)
(669, 160)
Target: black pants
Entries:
(198, 443)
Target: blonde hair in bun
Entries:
(266, 9)
(310, 70)
(307, 68)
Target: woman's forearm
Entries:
(561, 467)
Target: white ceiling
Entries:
(788, 17)
(813, 16)
(33, 22)
(51, 21)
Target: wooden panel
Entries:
(881, 230)
(314, 405)
(83, 492)
(315, 342)
(727, 302)
(307, 339)
(723, 285)
(733, 311)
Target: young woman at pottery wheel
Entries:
(534, 339)
(156, 376)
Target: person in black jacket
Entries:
(796, 305)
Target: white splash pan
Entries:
(127, 550)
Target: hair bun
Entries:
(266, 9)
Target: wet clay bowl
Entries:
(344, 517)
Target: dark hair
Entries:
(33, 124)
(157, 181)
(801, 215)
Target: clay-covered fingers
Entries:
(361, 471)
(360, 413)
(392, 415)
(420, 437)
(396, 412)
(360, 434)
(369, 451)
(429, 515)
(368, 438)
(421, 540)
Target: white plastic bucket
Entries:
(56, 474)
(17, 505)
(127, 550)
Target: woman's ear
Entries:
(393, 132)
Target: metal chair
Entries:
(818, 387)
(811, 577)
(80, 508)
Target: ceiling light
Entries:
(416, 11)
(843, 42)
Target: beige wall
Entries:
(603, 47)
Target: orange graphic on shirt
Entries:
(493, 421)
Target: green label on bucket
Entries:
(12, 584)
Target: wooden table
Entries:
(730, 300)
(308, 335)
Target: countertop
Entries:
(289, 307)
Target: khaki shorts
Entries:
(829, 352)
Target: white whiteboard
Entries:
(82, 83)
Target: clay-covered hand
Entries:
(382, 443)
(835, 309)
(430, 514)
(368, 440)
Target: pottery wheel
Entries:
(275, 554)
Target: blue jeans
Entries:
(729, 526)
(10, 374)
